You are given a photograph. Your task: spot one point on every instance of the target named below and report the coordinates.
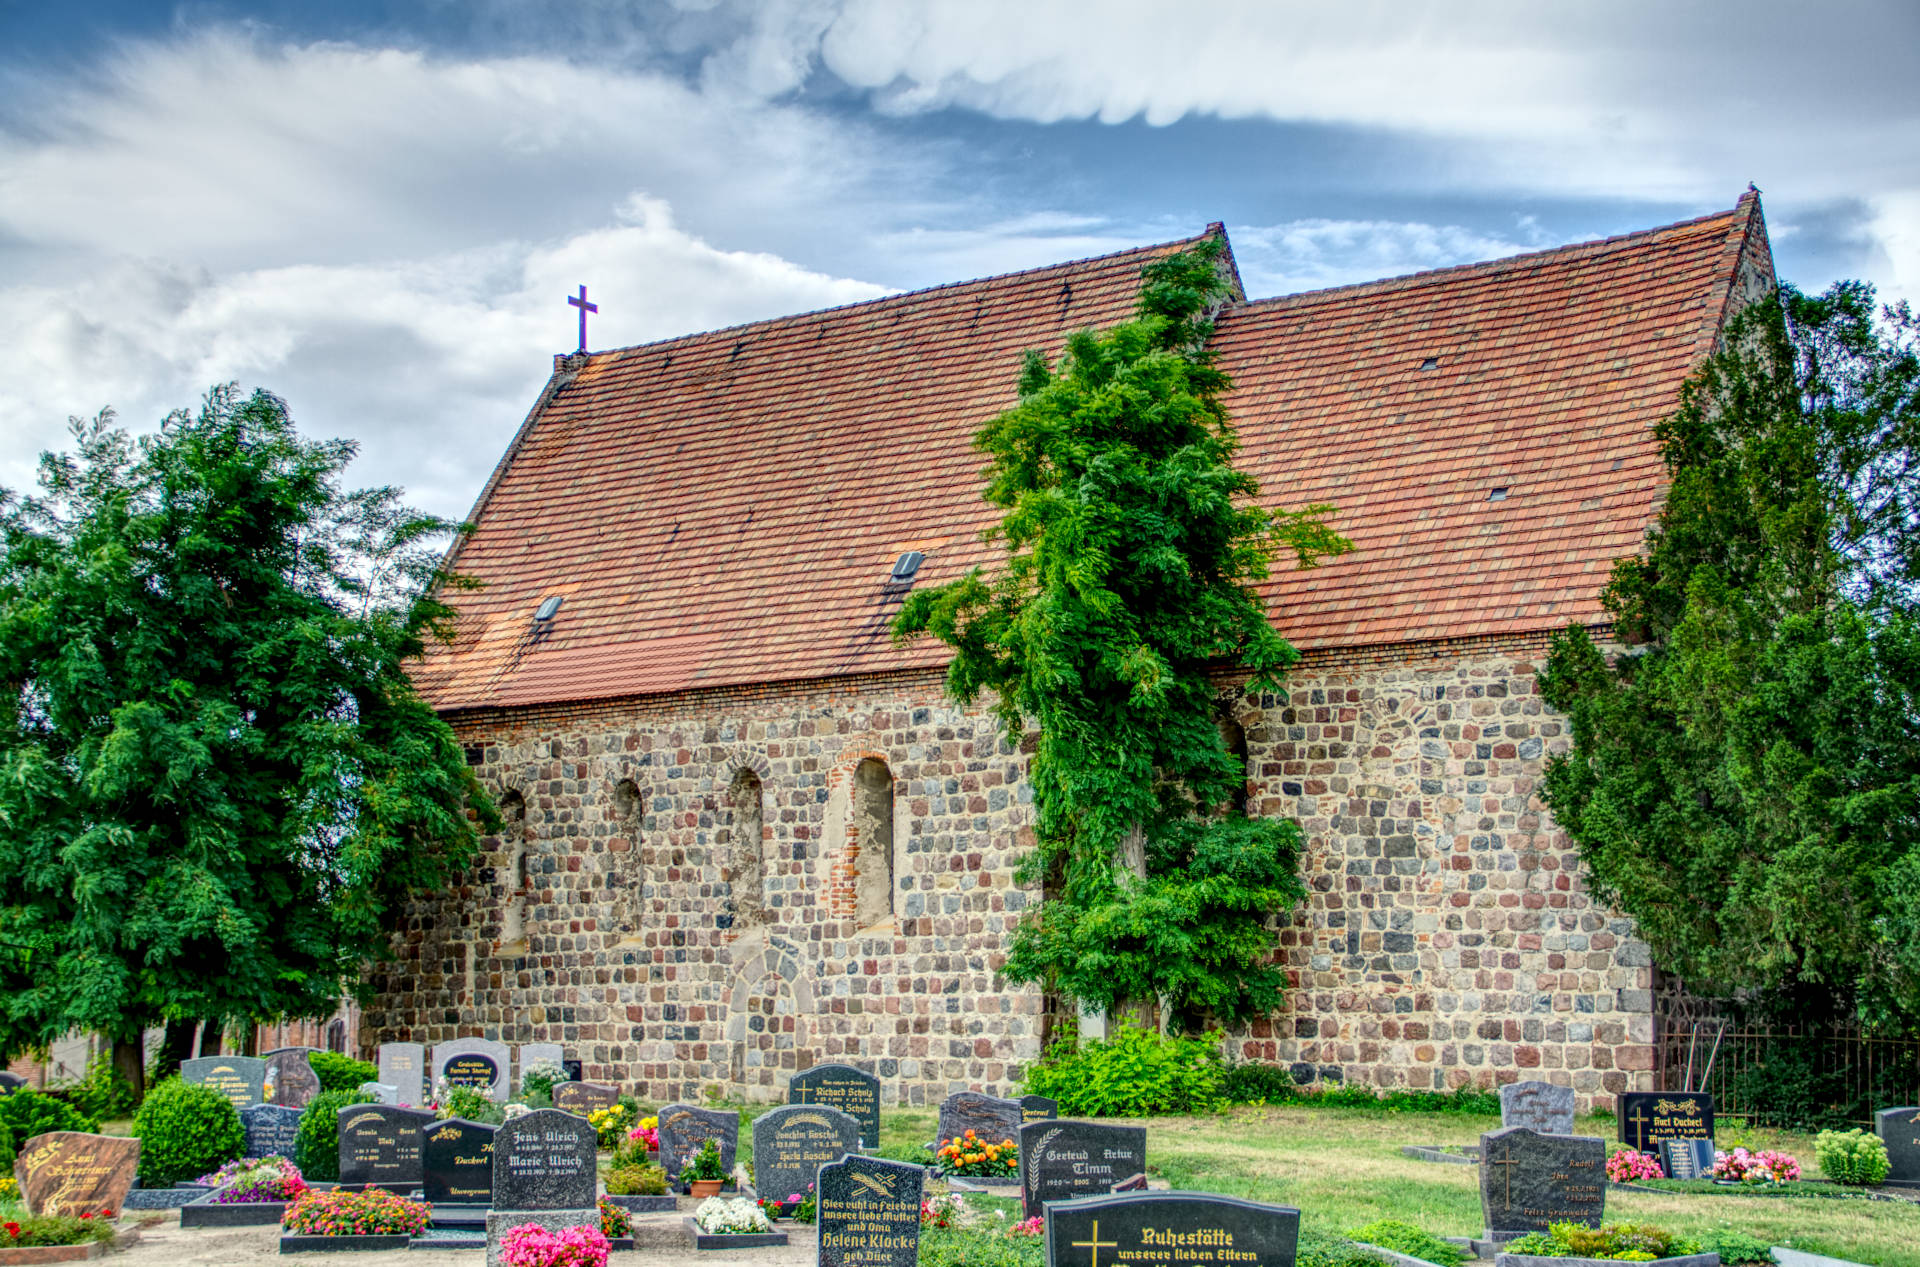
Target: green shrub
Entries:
(537, 1079)
(1257, 1083)
(1317, 1249)
(341, 1073)
(1854, 1156)
(55, 1229)
(185, 1131)
(981, 1247)
(318, 1135)
(8, 1150)
(1405, 1238)
(1626, 1242)
(636, 1179)
(103, 1095)
(29, 1113)
(1134, 1072)
(472, 1105)
(1736, 1248)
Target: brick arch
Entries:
(768, 1007)
(841, 847)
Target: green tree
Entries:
(1133, 548)
(215, 780)
(1744, 780)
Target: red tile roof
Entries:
(723, 509)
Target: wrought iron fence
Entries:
(1789, 1075)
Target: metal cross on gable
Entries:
(580, 301)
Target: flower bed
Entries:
(530, 1245)
(262, 1179)
(969, 1155)
(1763, 1167)
(722, 1223)
(343, 1212)
(1611, 1242)
(1628, 1165)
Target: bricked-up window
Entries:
(870, 835)
(513, 871)
(626, 870)
(744, 864)
(1234, 736)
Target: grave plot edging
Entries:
(1535, 1260)
(343, 1244)
(702, 1239)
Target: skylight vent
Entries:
(1431, 363)
(905, 567)
(1496, 494)
(548, 609)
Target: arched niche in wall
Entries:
(626, 874)
(513, 875)
(870, 835)
(743, 852)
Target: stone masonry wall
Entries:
(1448, 939)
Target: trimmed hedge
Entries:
(341, 1073)
(1275, 1084)
(25, 1114)
(185, 1131)
(317, 1138)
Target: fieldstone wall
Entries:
(1448, 939)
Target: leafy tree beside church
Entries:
(216, 782)
(1133, 548)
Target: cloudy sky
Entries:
(376, 208)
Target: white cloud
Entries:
(1312, 254)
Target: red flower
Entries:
(13, 1230)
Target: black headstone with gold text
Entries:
(853, 1091)
(1170, 1229)
(1647, 1117)
(869, 1213)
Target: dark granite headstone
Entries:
(11, 1082)
(1899, 1130)
(990, 1118)
(456, 1162)
(272, 1130)
(1062, 1160)
(584, 1098)
(1647, 1117)
(574, 1070)
(478, 1063)
(242, 1079)
(1037, 1108)
(1687, 1158)
(291, 1080)
(684, 1127)
(73, 1173)
(403, 1066)
(1538, 1106)
(380, 1144)
(1528, 1180)
(544, 1161)
(869, 1213)
(792, 1142)
(852, 1091)
(1170, 1229)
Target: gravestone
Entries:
(1687, 1158)
(1528, 1180)
(543, 1173)
(1062, 1160)
(531, 1052)
(1647, 1117)
(242, 1079)
(273, 1130)
(1037, 1108)
(479, 1063)
(684, 1127)
(291, 1080)
(852, 1091)
(74, 1173)
(381, 1092)
(11, 1082)
(380, 1144)
(456, 1162)
(990, 1118)
(574, 1070)
(869, 1213)
(1538, 1106)
(1170, 1229)
(792, 1142)
(584, 1098)
(404, 1066)
(1899, 1130)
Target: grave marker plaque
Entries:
(380, 1144)
(1528, 1180)
(544, 1161)
(584, 1098)
(852, 1091)
(478, 1063)
(792, 1142)
(1062, 1160)
(684, 1127)
(403, 1066)
(1538, 1106)
(1899, 1130)
(869, 1213)
(456, 1162)
(73, 1173)
(291, 1081)
(273, 1130)
(1038, 1108)
(1170, 1229)
(991, 1119)
(242, 1079)
(1688, 1158)
(1647, 1117)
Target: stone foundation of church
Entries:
(1448, 940)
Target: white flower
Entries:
(718, 1215)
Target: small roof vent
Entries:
(905, 567)
(548, 609)
(1431, 363)
(1496, 494)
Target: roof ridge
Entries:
(1525, 259)
(1212, 230)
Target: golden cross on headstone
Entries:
(1096, 1244)
(1507, 1161)
(1639, 1118)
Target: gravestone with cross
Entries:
(868, 1213)
(1647, 1117)
(1170, 1229)
(854, 1092)
(1528, 1180)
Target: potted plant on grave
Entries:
(972, 1157)
(703, 1172)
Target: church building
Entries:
(747, 832)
